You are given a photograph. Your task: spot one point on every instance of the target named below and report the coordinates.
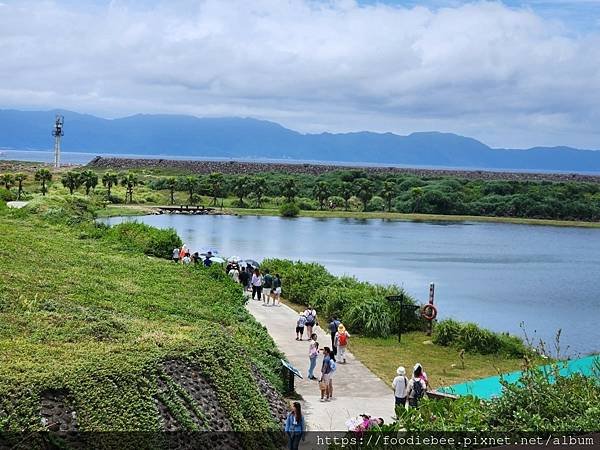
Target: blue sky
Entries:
(512, 74)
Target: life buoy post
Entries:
(429, 311)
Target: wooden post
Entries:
(431, 298)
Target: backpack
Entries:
(343, 339)
(418, 388)
(309, 317)
(332, 365)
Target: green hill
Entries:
(95, 338)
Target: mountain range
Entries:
(179, 135)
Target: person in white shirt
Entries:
(400, 385)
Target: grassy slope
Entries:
(442, 364)
(79, 315)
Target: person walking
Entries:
(276, 293)
(416, 387)
(244, 277)
(333, 327)
(295, 427)
(300, 326)
(423, 375)
(341, 342)
(267, 286)
(234, 273)
(186, 259)
(207, 260)
(327, 369)
(313, 353)
(257, 282)
(311, 319)
(176, 255)
(400, 385)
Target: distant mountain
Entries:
(178, 135)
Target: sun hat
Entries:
(401, 371)
(417, 365)
(341, 328)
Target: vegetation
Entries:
(471, 338)
(83, 311)
(541, 402)
(289, 210)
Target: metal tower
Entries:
(57, 133)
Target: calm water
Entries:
(496, 275)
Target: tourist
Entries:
(182, 251)
(400, 385)
(295, 426)
(186, 259)
(341, 342)
(327, 370)
(234, 273)
(313, 353)
(267, 286)
(423, 375)
(300, 326)
(257, 282)
(333, 327)
(311, 320)
(244, 277)
(207, 260)
(276, 289)
(195, 258)
(176, 255)
(416, 387)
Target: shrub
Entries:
(6, 195)
(371, 317)
(289, 210)
(474, 339)
(144, 238)
(338, 202)
(306, 204)
(376, 204)
(70, 210)
(115, 200)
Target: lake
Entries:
(497, 275)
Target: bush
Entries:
(472, 338)
(116, 200)
(70, 210)
(289, 210)
(144, 238)
(6, 195)
(376, 204)
(306, 204)
(338, 202)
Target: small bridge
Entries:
(184, 209)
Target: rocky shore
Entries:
(241, 167)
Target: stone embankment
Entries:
(241, 167)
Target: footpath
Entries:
(356, 390)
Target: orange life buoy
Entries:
(429, 312)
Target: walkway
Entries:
(356, 389)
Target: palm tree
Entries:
(71, 180)
(44, 176)
(416, 194)
(388, 193)
(259, 189)
(216, 183)
(190, 184)
(109, 179)
(321, 191)
(289, 189)
(129, 181)
(7, 179)
(19, 178)
(346, 192)
(89, 179)
(241, 188)
(364, 188)
(171, 185)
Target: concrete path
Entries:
(356, 389)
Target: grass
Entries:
(442, 364)
(81, 315)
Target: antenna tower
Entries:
(57, 133)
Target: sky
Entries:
(512, 74)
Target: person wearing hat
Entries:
(400, 385)
(341, 342)
(300, 326)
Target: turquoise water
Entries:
(488, 388)
(496, 275)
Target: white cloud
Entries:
(504, 75)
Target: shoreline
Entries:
(142, 210)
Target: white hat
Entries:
(401, 371)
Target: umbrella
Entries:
(234, 259)
(207, 250)
(251, 262)
(217, 259)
